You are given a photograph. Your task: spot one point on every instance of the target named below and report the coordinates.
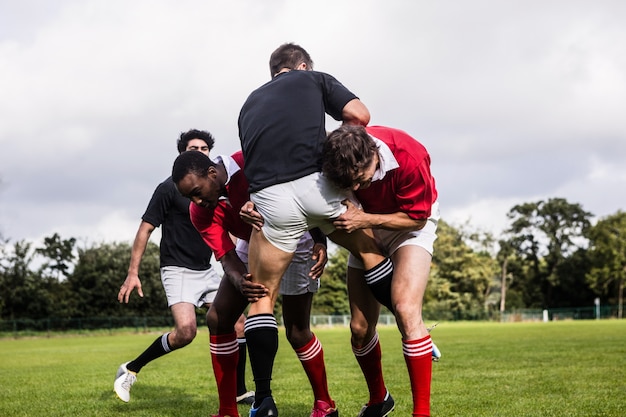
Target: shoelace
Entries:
(128, 381)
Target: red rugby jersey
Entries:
(409, 188)
(216, 225)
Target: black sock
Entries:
(378, 279)
(241, 367)
(262, 337)
(157, 349)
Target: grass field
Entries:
(564, 369)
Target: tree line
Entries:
(549, 256)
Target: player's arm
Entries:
(319, 252)
(354, 218)
(235, 271)
(139, 248)
(355, 113)
(248, 214)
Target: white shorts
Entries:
(290, 209)
(183, 285)
(390, 240)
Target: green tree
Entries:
(18, 283)
(545, 234)
(97, 277)
(332, 298)
(607, 253)
(58, 255)
(460, 276)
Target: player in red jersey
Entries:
(389, 172)
(217, 190)
(187, 276)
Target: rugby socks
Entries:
(241, 366)
(369, 359)
(157, 349)
(378, 279)
(261, 333)
(418, 357)
(311, 356)
(224, 357)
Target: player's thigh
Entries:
(184, 315)
(267, 264)
(410, 274)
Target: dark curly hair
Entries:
(185, 137)
(347, 150)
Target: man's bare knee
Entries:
(183, 335)
(362, 331)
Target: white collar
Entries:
(387, 161)
(230, 165)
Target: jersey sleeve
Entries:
(336, 96)
(210, 224)
(159, 204)
(415, 190)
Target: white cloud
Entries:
(516, 101)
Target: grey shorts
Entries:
(297, 281)
(184, 285)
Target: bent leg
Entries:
(184, 332)
(364, 310)
(297, 317)
(185, 325)
(360, 243)
(242, 391)
(267, 264)
(378, 269)
(408, 288)
(226, 310)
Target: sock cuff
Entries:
(364, 350)
(310, 350)
(418, 347)
(259, 322)
(223, 344)
(380, 271)
(166, 345)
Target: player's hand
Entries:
(352, 219)
(130, 283)
(320, 255)
(249, 215)
(253, 291)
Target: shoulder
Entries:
(398, 140)
(167, 184)
(238, 158)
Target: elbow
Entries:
(356, 113)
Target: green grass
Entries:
(574, 368)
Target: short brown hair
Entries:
(347, 150)
(289, 55)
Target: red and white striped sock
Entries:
(369, 359)
(311, 356)
(224, 357)
(418, 357)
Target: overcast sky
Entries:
(517, 101)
